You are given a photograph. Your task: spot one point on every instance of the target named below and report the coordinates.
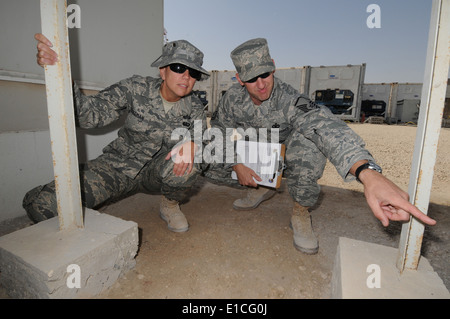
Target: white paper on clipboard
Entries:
(266, 159)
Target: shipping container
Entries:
(223, 81)
(392, 94)
(375, 99)
(339, 88)
(376, 92)
(204, 89)
(297, 77)
(219, 82)
(407, 111)
(372, 108)
(212, 89)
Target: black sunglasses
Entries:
(181, 68)
(262, 76)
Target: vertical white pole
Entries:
(429, 126)
(61, 116)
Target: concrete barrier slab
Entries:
(41, 261)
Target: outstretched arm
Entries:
(387, 200)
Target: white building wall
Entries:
(110, 31)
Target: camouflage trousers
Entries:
(305, 164)
(100, 183)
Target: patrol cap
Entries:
(252, 58)
(181, 51)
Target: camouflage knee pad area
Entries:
(158, 176)
(306, 195)
(99, 183)
(305, 165)
(217, 174)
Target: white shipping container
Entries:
(409, 91)
(376, 92)
(297, 77)
(400, 92)
(345, 82)
(214, 87)
(408, 110)
(372, 94)
(204, 90)
(224, 80)
(339, 88)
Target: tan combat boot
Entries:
(254, 197)
(304, 238)
(169, 210)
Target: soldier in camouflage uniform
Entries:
(139, 159)
(311, 133)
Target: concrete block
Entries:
(41, 261)
(365, 270)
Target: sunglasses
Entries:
(180, 69)
(262, 76)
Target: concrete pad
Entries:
(41, 261)
(365, 270)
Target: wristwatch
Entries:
(370, 165)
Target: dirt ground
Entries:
(229, 254)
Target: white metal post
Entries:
(429, 126)
(61, 116)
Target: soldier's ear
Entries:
(239, 79)
(162, 73)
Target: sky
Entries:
(309, 32)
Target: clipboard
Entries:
(266, 159)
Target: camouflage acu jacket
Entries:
(147, 127)
(289, 110)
